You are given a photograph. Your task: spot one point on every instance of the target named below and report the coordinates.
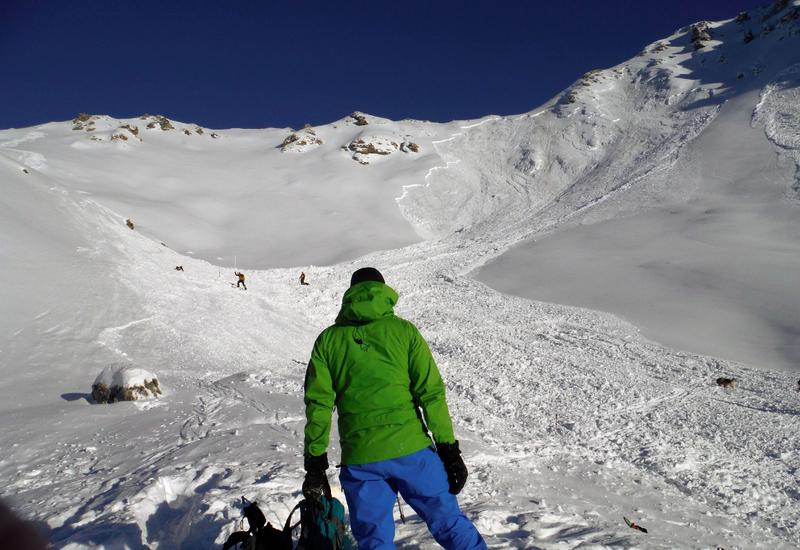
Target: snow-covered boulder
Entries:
(124, 383)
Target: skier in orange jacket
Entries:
(241, 279)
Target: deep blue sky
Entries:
(231, 63)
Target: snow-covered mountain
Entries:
(664, 189)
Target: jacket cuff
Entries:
(315, 463)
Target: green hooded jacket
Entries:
(378, 372)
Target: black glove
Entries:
(453, 465)
(316, 481)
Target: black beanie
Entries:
(366, 274)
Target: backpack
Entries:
(321, 523)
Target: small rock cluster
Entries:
(701, 33)
(84, 121)
(123, 131)
(781, 15)
(300, 141)
(362, 147)
(360, 119)
(589, 78)
(158, 120)
(105, 128)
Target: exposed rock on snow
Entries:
(125, 132)
(124, 383)
(591, 77)
(359, 118)
(407, 146)
(84, 121)
(701, 33)
(374, 144)
(161, 121)
(301, 141)
(131, 128)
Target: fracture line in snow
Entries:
(480, 123)
(448, 163)
(132, 323)
(533, 115)
(451, 138)
(428, 175)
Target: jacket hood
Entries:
(365, 302)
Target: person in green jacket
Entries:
(377, 371)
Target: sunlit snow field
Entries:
(583, 274)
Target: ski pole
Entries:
(400, 507)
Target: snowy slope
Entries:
(239, 194)
(693, 235)
(569, 418)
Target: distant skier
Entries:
(303, 279)
(378, 372)
(241, 280)
(178, 268)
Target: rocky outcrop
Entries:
(301, 141)
(369, 147)
(84, 121)
(160, 121)
(701, 33)
(359, 119)
(125, 132)
(407, 146)
(362, 148)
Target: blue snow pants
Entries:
(371, 490)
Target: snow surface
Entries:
(569, 418)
